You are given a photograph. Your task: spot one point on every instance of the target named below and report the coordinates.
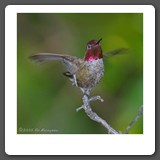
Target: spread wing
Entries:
(71, 62)
(115, 52)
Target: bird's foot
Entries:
(95, 98)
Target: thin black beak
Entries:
(99, 41)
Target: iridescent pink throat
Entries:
(91, 58)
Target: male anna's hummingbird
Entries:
(84, 73)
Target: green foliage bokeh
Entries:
(47, 100)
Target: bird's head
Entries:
(94, 50)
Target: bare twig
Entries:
(92, 115)
(140, 113)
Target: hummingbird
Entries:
(84, 73)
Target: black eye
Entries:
(89, 46)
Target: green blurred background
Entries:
(47, 101)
